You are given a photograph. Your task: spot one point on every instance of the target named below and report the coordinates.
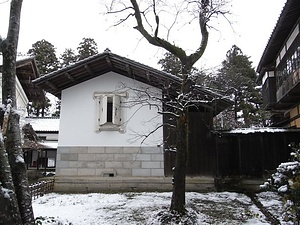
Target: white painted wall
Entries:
(78, 115)
(21, 97)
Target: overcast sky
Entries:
(65, 22)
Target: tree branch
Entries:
(119, 11)
(1, 43)
(179, 52)
(156, 19)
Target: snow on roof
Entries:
(259, 130)
(49, 144)
(44, 124)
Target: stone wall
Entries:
(69, 184)
(110, 161)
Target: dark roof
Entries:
(26, 71)
(287, 19)
(102, 63)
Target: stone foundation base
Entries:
(123, 184)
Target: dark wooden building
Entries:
(279, 68)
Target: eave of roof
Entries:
(286, 21)
(26, 71)
(105, 62)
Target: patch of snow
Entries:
(283, 189)
(257, 130)
(43, 124)
(20, 159)
(145, 208)
(6, 192)
(274, 204)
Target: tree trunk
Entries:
(18, 168)
(182, 144)
(10, 214)
(178, 196)
(11, 127)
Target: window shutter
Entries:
(102, 110)
(116, 119)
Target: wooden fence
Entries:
(252, 154)
(40, 188)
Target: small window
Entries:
(109, 109)
(110, 115)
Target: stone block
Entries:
(141, 157)
(67, 172)
(63, 149)
(86, 172)
(77, 164)
(58, 156)
(157, 172)
(95, 164)
(132, 150)
(104, 157)
(69, 157)
(141, 172)
(86, 157)
(62, 164)
(122, 157)
(103, 172)
(96, 150)
(112, 165)
(78, 149)
(124, 172)
(150, 165)
(162, 164)
(151, 150)
(157, 157)
(114, 150)
(132, 164)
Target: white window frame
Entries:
(117, 122)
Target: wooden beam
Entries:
(88, 69)
(23, 81)
(148, 76)
(108, 61)
(51, 85)
(128, 69)
(70, 77)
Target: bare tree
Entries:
(14, 188)
(147, 17)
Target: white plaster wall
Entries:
(49, 136)
(21, 97)
(78, 115)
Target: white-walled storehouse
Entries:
(107, 125)
(110, 134)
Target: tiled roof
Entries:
(287, 19)
(44, 124)
(26, 71)
(102, 63)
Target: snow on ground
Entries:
(144, 208)
(273, 203)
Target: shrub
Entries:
(286, 181)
